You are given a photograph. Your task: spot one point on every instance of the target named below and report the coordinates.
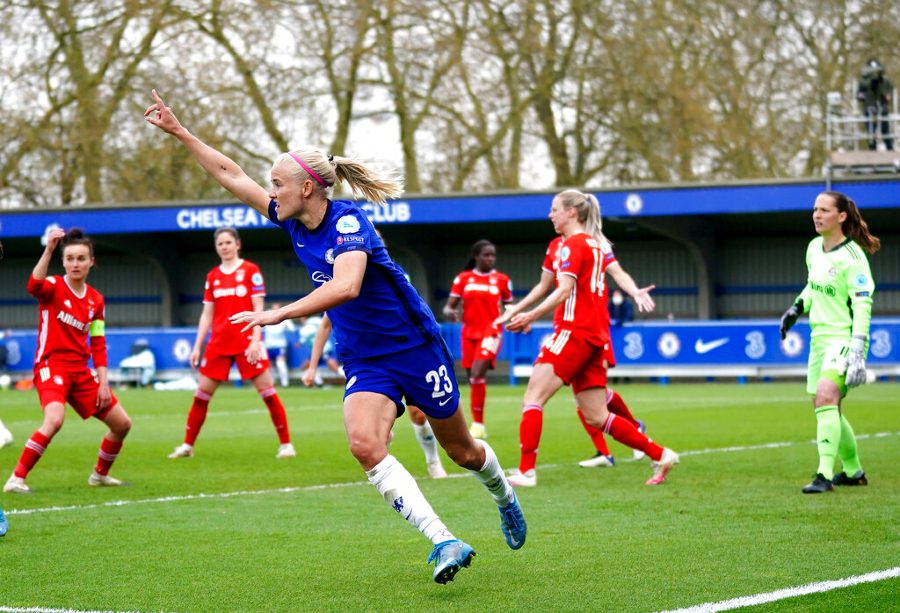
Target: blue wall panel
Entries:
(657, 344)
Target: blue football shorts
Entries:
(422, 375)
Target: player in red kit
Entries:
(233, 286)
(481, 290)
(70, 312)
(578, 351)
(614, 401)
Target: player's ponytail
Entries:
(588, 208)
(854, 225)
(76, 236)
(327, 170)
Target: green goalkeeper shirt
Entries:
(838, 292)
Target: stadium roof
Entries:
(501, 207)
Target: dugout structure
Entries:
(714, 251)
(717, 254)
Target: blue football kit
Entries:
(387, 338)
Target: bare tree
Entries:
(577, 92)
(341, 34)
(418, 49)
(90, 52)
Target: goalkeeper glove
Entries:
(856, 362)
(790, 317)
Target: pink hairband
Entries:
(309, 170)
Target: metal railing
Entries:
(852, 132)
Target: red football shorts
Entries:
(474, 349)
(77, 387)
(216, 366)
(609, 355)
(577, 362)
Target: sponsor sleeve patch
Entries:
(348, 224)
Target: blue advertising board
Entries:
(700, 345)
(171, 347)
(645, 202)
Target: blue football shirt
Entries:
(388, 315)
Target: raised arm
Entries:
(219, 166)
(39, 272)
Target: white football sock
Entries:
(491, 475)
(425, 436)
(400, 490)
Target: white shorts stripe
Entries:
(560, 342)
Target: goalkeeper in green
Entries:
(838, 298)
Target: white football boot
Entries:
(286, 451)
(182, 451)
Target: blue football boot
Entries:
(449, 557)
(512, 523)
(4, 526)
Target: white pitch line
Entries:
(326, 486)
(859, 437)
(214, 414)
(46, 610)
(790, 592)
(200, 496)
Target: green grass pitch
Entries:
(728, 523)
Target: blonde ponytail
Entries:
(327, 170)
(588, 208)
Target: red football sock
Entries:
(109, 451)
(596, 434)
(34, 449)
(276, 412)
(477, 390)
(616, 405)
(625, 433)
(530, 435)
(196, 416)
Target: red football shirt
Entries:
(482, 294)
(65, 322)
(585, 311)
(231, 293)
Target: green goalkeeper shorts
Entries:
(827, 360)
